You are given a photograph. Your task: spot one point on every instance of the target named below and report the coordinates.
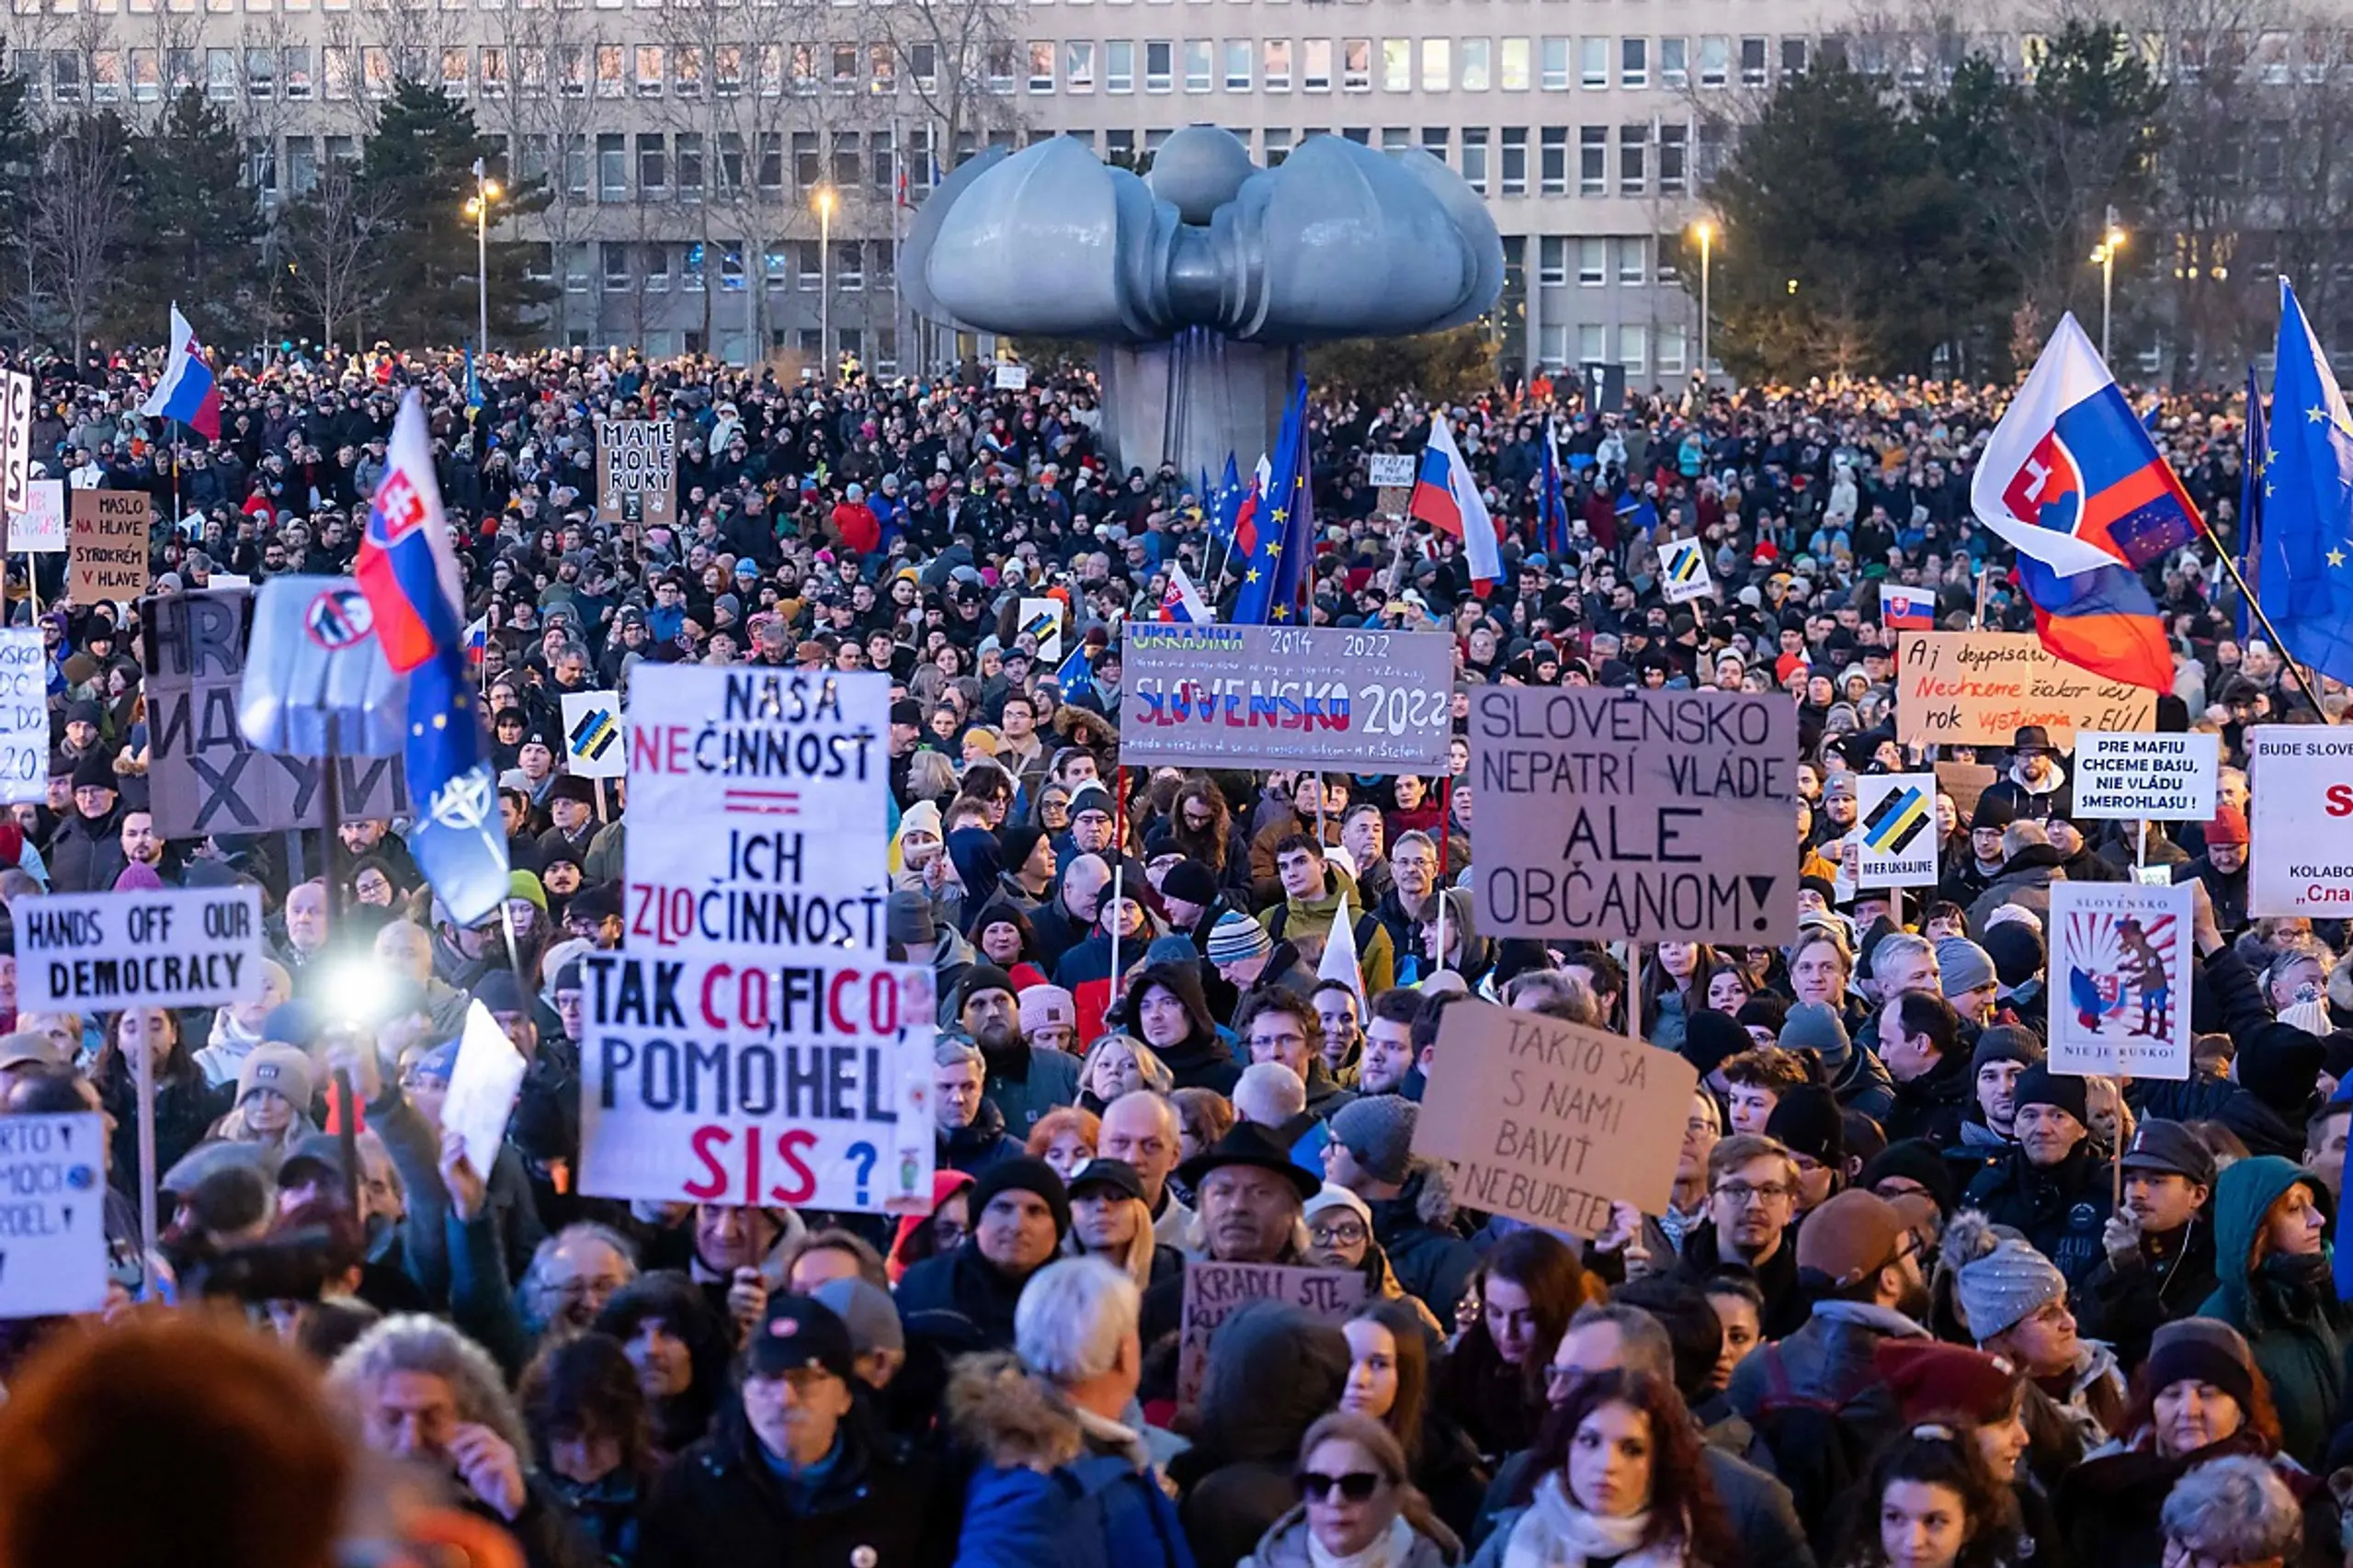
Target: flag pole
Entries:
(2255, 607)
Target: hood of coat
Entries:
(2243, 1194)
(1273, 1368)
(1012, 1418)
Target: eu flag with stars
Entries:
(1281, 548)
(2306, 555)
(2253, 461)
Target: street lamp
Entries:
(824, 275)
(486, 190)
(2105, 254)
(1705, 232)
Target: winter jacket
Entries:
(883, 1504)
(1863, 1082)
(1302, 919)
(979, 1144)
(1930, 1106)
(971, 1299)
(2060, 1210)
(1417, 1230)
(1419, 1540)
(2125, 1306)
(1025, 1084)
(1817, 1400)
(1763, 1517)
(1055, 1487)
(1785, 1303)
(2026, 882)
(1273, 1369)
(2287, 1308)
(2108, 1502)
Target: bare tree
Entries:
(81, 213)
(950, 52)
(328, 238)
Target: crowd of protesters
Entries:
(1896, 1314)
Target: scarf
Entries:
(1391, 1548)
(1557, 1533)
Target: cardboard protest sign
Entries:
(1982, 688)
(755, 809)
(106, 952)
(203, 776)
(1388, 470)
(40, 528)
(1609, 815)
(1551, 1122)
(1964, 782)
(1042, 619)
(483, 1084)
(2165, 778)
(1366, 701)
(107, 545)
(1895, 817)
(53, 1241)
(2302, 821)
(16, 441)
(637, 471)
(801, 1077)
(1215, 1292)
(593, 742)
(24, 716)
(2119, 979)
(1683, 571)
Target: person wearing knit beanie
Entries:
(1371, 1149)
(1236, 946)
(1190, 883)
(280, 1070)
(1966, 971)
(1764, 1015)
(1021, 1173)
(2281, 1064)
(2017, 953)
(1034, 871)
(2196, 1358)
(1710, 1039)
(1806, 1120)
(1816, 1026)
(2002, 1055)
(1931, 1379)
(1049, 1018)
(2011, 1298)
(1911, 1165)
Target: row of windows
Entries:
(656, 266)
(1404, 64)
(1640, 348)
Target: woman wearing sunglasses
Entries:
(1357, 1509)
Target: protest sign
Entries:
(107, 545)
(1964, 782)
(757, 808)
(1215, 1292)
(24, 716)
(1366, 701)
(16, 441)
(203, 776)
(2302, 821)
(1981, 687)
(171, 948)
(1042, 619)
(52, 1216)
(1387, 470)
(1683, 571)
(1610, 814)
(592, 734)
(637, 471)
(800, 1077)
(1895, 819)
(1013, 377)
(2119, 979)
(1551, 1122)
(484, 1083)
(40, 528)
(2169, 778)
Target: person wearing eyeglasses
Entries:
(1356, 1505)
(1752, 1198)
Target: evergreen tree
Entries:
(417, 170)
(198, 234)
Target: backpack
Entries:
(1818, 1453)
(1366, 926)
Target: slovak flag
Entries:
(188, 392)
(1447, 497)
(1182, 604)
(1906, 609)
(478, 639)
(2070, 480)
(407, 566)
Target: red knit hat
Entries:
(1931, 1378)
(2229, 827)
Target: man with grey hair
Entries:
(1901, 962)
(424, 1393)
(1068, 1472)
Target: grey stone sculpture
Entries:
(1205, 279)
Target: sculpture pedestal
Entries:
(1194, 400)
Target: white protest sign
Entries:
(40, 528)
(803, 1078)
(1013, 377)
(105, 951)
(1609, 814)
(1683, 571)
(484, 1083)
(2170, 778)
(52, 1215)
(755, 809)
(593, 744)
(2119, 979)
(1895, 816)
(1390, 470)
(2301, 777)
(1042, 619)
(16, 440)
(24, 716)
